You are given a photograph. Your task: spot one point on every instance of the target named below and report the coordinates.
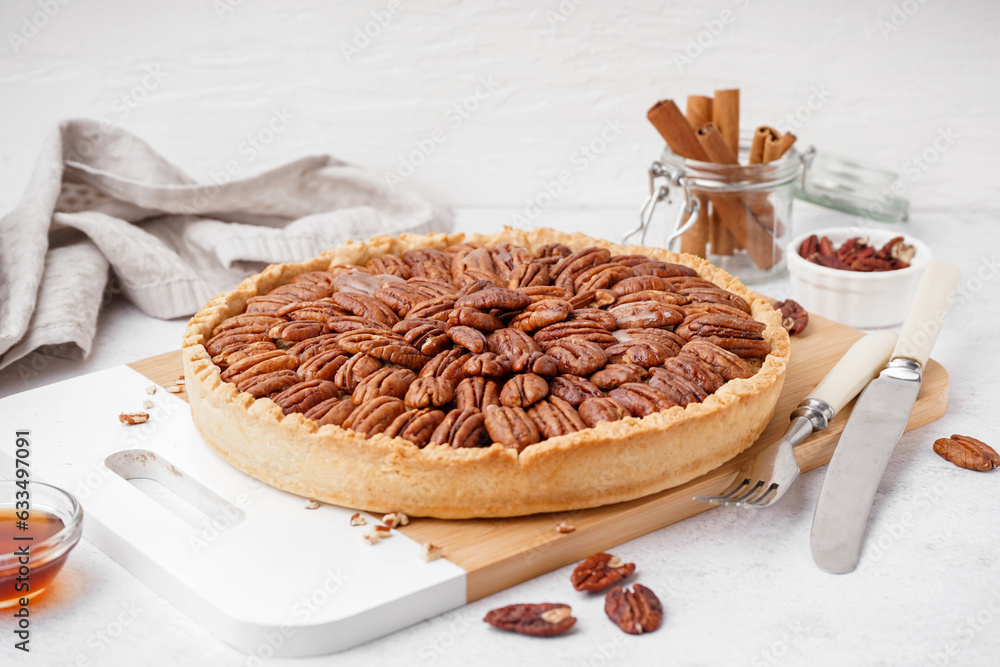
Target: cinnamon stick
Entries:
(761, 135)
(726, 116)
(699, 110)
(740, 215)
(695, 240)
(722, 240)
(675, 130)
(775, 147)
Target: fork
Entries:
(767, 475)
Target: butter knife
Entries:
(875, 426)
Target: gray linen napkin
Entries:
(101, 198)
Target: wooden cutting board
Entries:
(498, 553)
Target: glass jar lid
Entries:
(846, 185)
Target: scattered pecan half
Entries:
(600, 571)
(537, 620)
(967, 452)
(133, 418)
(793, 316)
(634, 611)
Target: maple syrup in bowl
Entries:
(39, 525)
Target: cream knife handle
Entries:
(855, 369)
(927, 312)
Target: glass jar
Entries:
(739, 216)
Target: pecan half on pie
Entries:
(480, 376)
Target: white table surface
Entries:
(738, 587)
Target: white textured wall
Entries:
(893, 81)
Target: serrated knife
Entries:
(875, 426)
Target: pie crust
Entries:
(610, 463)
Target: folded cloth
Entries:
(101, 198)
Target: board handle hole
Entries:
(187, 498)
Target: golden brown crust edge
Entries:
(613, 462)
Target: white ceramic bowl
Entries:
(856, 298)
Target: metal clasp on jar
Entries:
(688, 214)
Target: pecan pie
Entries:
(464, 376)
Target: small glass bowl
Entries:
(46, 557)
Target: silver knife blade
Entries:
(876, 423)
(866, 445)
